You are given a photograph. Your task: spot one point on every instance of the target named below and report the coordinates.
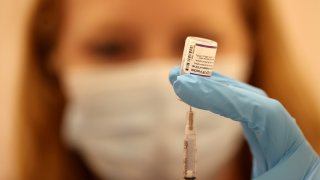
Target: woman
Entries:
(69, 37)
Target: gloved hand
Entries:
(280, 151)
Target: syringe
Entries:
(197, 59)
(190, 147)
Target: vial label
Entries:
(198, 56)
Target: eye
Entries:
(110, 50)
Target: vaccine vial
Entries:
(198, 56)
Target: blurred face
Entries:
(124, 103)
(111, 33)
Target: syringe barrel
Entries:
(189, 147)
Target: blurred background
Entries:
(287, 37)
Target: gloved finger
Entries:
(175, 72)
(226, 80)
(266, 123)
(210, 94)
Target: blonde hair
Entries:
(41, 153)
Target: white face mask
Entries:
(127, 123)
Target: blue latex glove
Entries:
(280, 151)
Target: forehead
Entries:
(144, 11)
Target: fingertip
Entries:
(182, 88)
(187, 78)
(173, 74)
